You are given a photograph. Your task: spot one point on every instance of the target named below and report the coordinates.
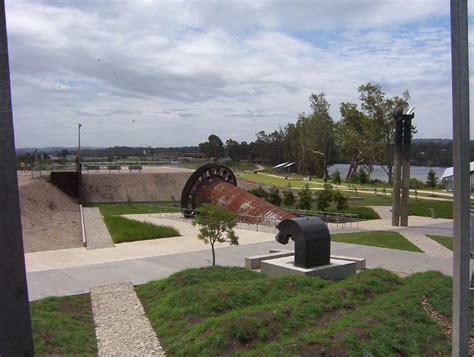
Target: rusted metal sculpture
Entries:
(216, 184)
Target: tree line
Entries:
(363, 136)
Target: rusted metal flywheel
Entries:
(216, 184)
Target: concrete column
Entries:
(397, 162)
(15, 324)
(405, 171)
(461, 214)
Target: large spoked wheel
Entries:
(203, 175)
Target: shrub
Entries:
(340, 200)
(323, 199)
(416, 184)
(306, 200)
(289, 198)
(274, 196)
(336, 177)
(259, 192)
(362, 176)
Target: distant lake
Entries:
(418, 172)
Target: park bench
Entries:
(135, 168)
(114, 168)
(92, 167)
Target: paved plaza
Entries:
(77, 270)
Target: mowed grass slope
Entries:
(232, 311)
(63, 326)
(126, 230)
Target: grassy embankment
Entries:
(232, 311)
(63, 326)
(125, 230)
(417, 207)
(382, 239)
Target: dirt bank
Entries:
(50, 218)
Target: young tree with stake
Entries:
(216, 226)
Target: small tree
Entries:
(341, 200)
(432, 180)
(274, 196)
(306, 200)
(323, 199)
(289, 199)
(216, 225)
(336, 177)
(362, 176)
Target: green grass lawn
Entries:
(232, 311)
(383, 239)
(126, 230)
(443, 240)
(118, 209)
(444, 209)
(63, 326)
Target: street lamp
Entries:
(79, 125)
(325, 177)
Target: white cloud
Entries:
(184, 69)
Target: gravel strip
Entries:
(122, 329)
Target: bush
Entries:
(289, 198)
(340, 200)
(274, 196)
(362, 176)
(259, 192)
(306, 200)
(323, 199)
(336, 177)
(416, 184)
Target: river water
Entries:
(418, 172)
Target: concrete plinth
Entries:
(336, 270)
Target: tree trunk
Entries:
(213, 255)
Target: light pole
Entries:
(79, 125)
(325, 176)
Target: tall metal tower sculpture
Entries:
(401, 179)
(15, 324)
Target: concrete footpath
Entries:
(97, 234)
(75, 271)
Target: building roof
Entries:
(449, 172)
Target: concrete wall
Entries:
(139, 187)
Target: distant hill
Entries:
(434, 141)
(53, 149)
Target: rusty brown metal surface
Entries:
(251, 208)
(216, 184)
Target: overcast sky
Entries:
(169, 73)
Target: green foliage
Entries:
(274, 196)
(259, 192)
(63, 326)
(289, 198)
(230, 311)
(336, 177)
(362, 176)
(323, 199)
(216, 226)
(432, 179)
(305, 198)
(213, 147)
(340, 200)
(416, 184)
(391, 240)
(126, 230)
